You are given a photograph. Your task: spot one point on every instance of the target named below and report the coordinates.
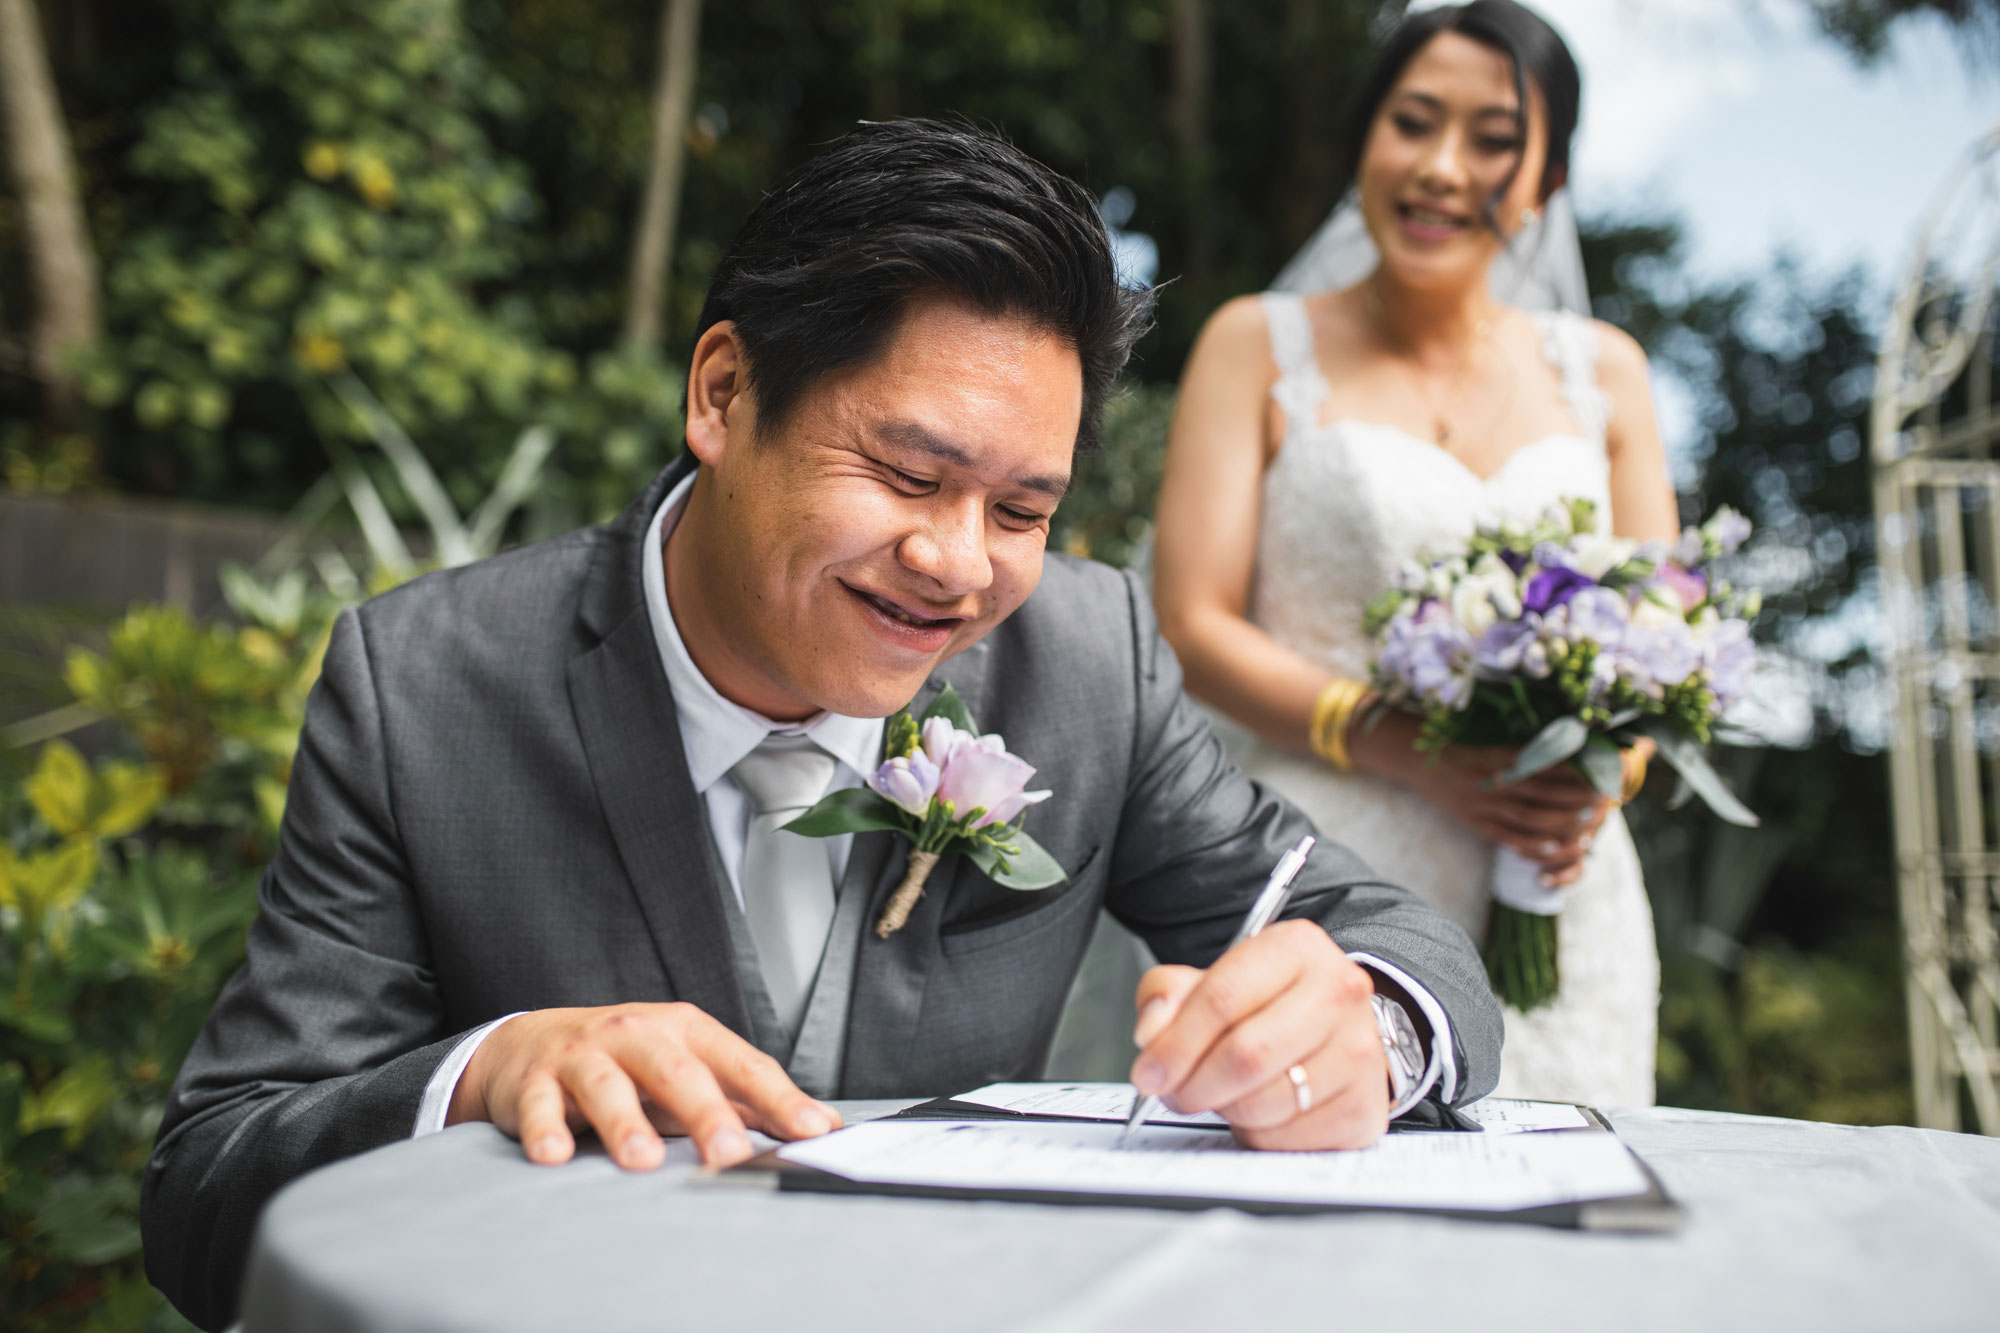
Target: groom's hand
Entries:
(1226, 1038)
(631, 1072)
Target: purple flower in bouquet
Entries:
(1730, 659)
(1686, 587)
(1659, 655)
(1430, 654)
(1597, 614)
(1509, 646)
(1553, 585)
(1728, 529)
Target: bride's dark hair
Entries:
(1515, 31)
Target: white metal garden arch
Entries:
(1934, 433)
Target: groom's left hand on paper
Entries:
(1224, 1039)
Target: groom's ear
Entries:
(718, 398)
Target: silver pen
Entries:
(1277, 892)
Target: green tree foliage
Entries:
(125, 889)
(1863, 26)
(1780, 944)
(313, 187)
(439, 195)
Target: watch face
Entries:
(1399, 1039)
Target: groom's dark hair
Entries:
(824, 267)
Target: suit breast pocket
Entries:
(1038, 913)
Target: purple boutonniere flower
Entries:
(946, 788)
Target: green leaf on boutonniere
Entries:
(850, 810)
(952, 708)
(1029, 866)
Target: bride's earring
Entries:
(1528, 217)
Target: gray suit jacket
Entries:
(491, 811)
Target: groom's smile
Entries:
(832, 560)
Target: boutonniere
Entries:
(946, 788)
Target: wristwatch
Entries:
(1405, 1051)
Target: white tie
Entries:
(787, 880)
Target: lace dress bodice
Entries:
(1345, 504)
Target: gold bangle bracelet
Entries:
(1635, 778)
(1332, 712)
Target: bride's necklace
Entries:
(1441, 403)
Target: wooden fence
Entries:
(105, 550)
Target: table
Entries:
(1793, 1225)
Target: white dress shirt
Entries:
(716, 733)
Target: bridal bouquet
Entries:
(1571, 644)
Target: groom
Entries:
(526, 873)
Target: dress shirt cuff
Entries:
(1441, 1071)
(444, 1079)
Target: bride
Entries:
(1325, 436)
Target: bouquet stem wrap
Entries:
(1521, 939)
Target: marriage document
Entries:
(1444, 1171)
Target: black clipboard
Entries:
(1651, 1210)
(1429, 1117)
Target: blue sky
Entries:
(1762, 134)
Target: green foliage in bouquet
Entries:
(126, 885)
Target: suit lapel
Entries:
(631, 737)
(890, 975)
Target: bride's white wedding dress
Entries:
(1345, 504)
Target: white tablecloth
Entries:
(1792, 1225)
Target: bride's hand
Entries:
(1550, 818)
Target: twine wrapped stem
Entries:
(904, 900)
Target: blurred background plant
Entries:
(256, 249)
(126, 886)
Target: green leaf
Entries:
(952, 708)
(85, 1225)
(114, 801)
(124, 797)
(39, 1024)
(1554, 743)
(1687, 759)
(73, 1102)
(60, 788)
(1029, 868)
(50, 881)
(851, 810)
(1602, 762)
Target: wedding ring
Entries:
(1302, 1092)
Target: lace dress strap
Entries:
(1569, 345)
(1300, 388)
